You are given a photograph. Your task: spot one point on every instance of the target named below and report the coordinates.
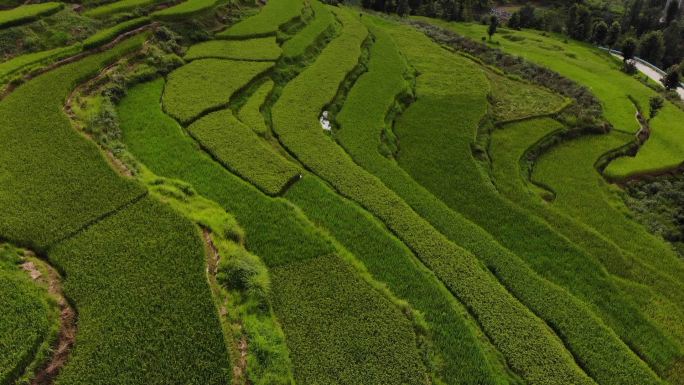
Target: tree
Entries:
(600, 32)
(613, 34)
(493, 24)
(527, 17)
(632, 17)
(652, 47)
(403, 8)
(673, 37)
(578, 22)
(629, 47)
(514, 21)
(671, 78)
(672, 11)
(655, 103)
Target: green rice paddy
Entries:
(292, 192)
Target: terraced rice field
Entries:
(598, 71)
(298, 193)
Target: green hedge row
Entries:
(437, 134)
(267, 21)
(240, 150)
(250, 114)
(27, 13)
(39, 205)
(526, 342)
(284, 238)
(265, 48)
(106, 35)
(206, 85)
(321, 26)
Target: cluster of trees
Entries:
(652, 30)
(455, 10)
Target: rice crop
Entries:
(295, 119)
(265, 48)
(271, 16)
(321, 26)
(239, 149)
(118, 7)
(250, 114)
(38, 205)
(106, 35)
(284, 238)
(207, 84)
(27, 13)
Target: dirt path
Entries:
(49, 370)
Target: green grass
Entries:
(600, 72)
(250, 114)
(295, 119)
(515, 100)
(267, 22)
(185, 9)
(118, 7)
(254, 49)
(25, 63)
(321, 26)
(106, 35)
(362, 120)
(145, 313)
(240, 150)
(437, 133)
(27, 13)
(29, 319)
(38, 205)
(207, 84)
(285, 239)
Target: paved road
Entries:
(651, 73)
